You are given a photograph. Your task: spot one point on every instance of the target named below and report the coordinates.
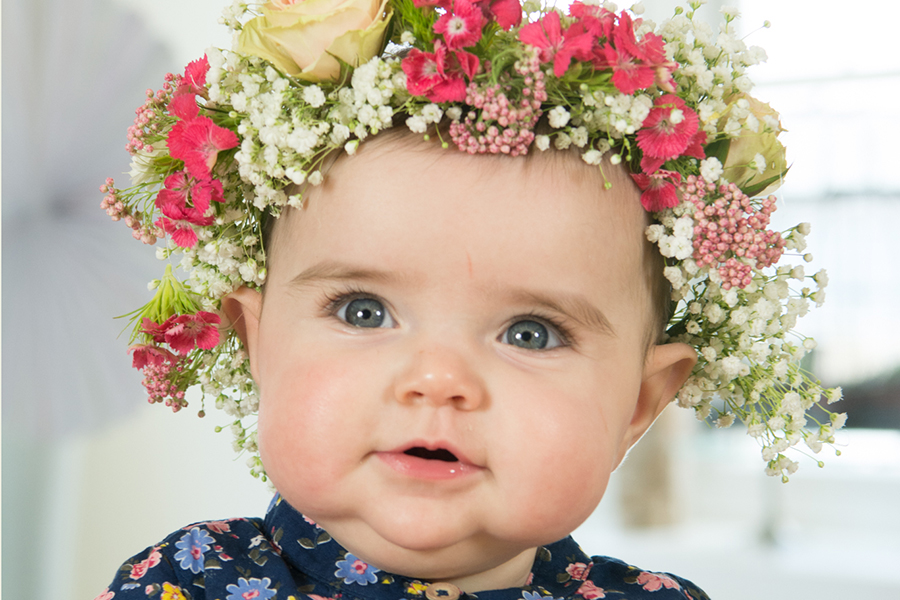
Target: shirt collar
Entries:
(558, 570)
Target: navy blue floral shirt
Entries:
(287, 557)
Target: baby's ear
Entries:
(243, 308)
(666, 369)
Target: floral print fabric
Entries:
(287, 557)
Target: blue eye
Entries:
(365, 312)
(531, 335)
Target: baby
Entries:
(453, 354)
(449, 353)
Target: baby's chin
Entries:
(430, 549)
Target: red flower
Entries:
(669, 129)
(438, 75)
(659, 191)
(595, 19)
(194, 80)
(461, 27)
(556, 45)
(187, 332)
(145, 354)
(629, 74)
(181, 188)
(507, 13)
(181, 229)
(198, 142)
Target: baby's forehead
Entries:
(397, 154)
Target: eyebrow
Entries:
(573, 306)
(336, 271)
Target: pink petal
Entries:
(546, 33)
(468, 62)
(507, 13)
(184, 107)
(195, 72)
(655, 200)
(451, 89)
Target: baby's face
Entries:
(450, 353)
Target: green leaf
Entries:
(323, 538)
(306, 543)
(719, 149)
(757, 188)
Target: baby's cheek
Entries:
(303, 414)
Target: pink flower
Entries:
(595, 19)
(589, 591)
(194, 80)
(198, 142)
(218, 526)
(141, 568)
(578, 571)
(556, 45)
(655, 581)
(438, 76)
(157, 331)
(181, 231)
(629, 74)
(105, 595)
(143, 355)
(669, 129)
(181, 189)
(184, 107)
(507, 13)
(187, 332)
(659, 191)
(461, 27)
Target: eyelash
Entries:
(334, 301)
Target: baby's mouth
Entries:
(439, 454)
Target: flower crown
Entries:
(225, 146)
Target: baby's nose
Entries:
(440, 376)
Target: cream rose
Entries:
(748, 144)
(304, 38)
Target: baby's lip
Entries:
(436, 450)
(429, 461)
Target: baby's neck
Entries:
(513, 573)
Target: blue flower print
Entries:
(536, 596)
(192, 546)
(353, 570)
(258, 589)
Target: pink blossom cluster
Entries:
(149, 113)
(729, 228)
(498, 125)
(196, 140)
(119, 211)
(163, 369)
